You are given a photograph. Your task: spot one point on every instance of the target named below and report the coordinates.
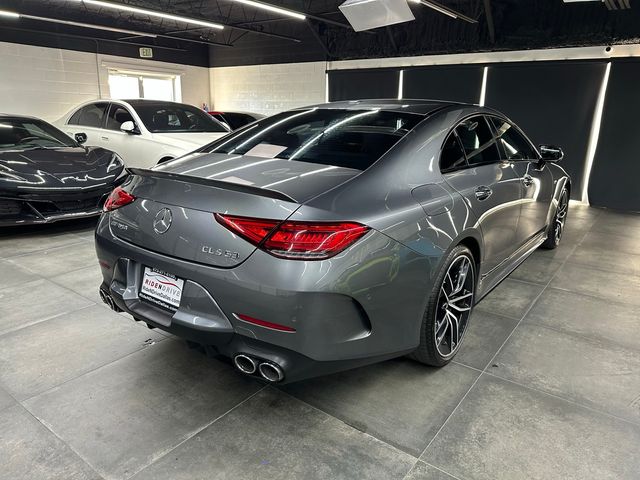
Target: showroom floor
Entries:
(546, 386)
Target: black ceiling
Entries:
(258, 37)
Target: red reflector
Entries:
(263, 323)
(295, 240)
(104, 264)
(119, 197)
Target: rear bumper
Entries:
(345, 315)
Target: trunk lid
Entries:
(174, 215)
(301, 181)
(187, 192)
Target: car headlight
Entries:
(115, 163)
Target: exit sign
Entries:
(146, 52)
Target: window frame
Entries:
(103, 122)
(468, 165)
(503, 153)
(116, 105)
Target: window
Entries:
(236, 120)
(150, 86)
(515, 145)
(478, 142)
(163, 117)
(343, 138)
(28, 133)
(117, 116)
(91, 115)
(452, 156)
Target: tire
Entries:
(440, 340)
(556, 227)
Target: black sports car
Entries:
(46, 176)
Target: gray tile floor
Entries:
(547, 384)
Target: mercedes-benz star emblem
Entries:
(162, 222)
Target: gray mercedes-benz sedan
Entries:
(332, 236)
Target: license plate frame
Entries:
(161, 288)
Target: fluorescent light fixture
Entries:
(595, 133)
(271, 8)
(7, 14)
(435, 7)
(400, 84)
(151, 13)
(89, 25)
(483, 89)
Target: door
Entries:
(471, 164)
(536, 179)
(127, 145)
(90, 120)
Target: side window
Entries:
(477, 141)
(516, 146)
(117, 116)
(452, 156)
(75, 118)
(91, 115)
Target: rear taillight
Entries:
(118, 198)
(295, 240)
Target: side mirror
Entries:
(550, 153)
(80, 137)
(129, 127)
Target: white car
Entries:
(143, 132)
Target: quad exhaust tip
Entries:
(245, 364)
(108, 300)
(269, 371)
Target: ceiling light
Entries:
(151, 13)
(4, 13)
(435, 7)
(89, 25)
(271, 8)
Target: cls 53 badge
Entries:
(219, 252)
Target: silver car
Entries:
(332, 236)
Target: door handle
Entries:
(105, 138)
(527, 180)
(483, 192)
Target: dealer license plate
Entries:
(161, 288)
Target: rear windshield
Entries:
(343, 138)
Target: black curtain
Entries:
(363, 84)
(458, 83)
(615, 174)
(553, 102)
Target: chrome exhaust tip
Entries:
(108, 300)
(271, 372)
(245, 364)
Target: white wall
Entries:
(268, 89)
(48, 82)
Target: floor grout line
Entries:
(46, 319)
(345, 423)
(66, 444)
(40, 250)
(553, 395)
(159, 455)
(162, 338)
(534, 301)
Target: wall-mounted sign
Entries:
(146, 52)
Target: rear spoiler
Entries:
(263, 192)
